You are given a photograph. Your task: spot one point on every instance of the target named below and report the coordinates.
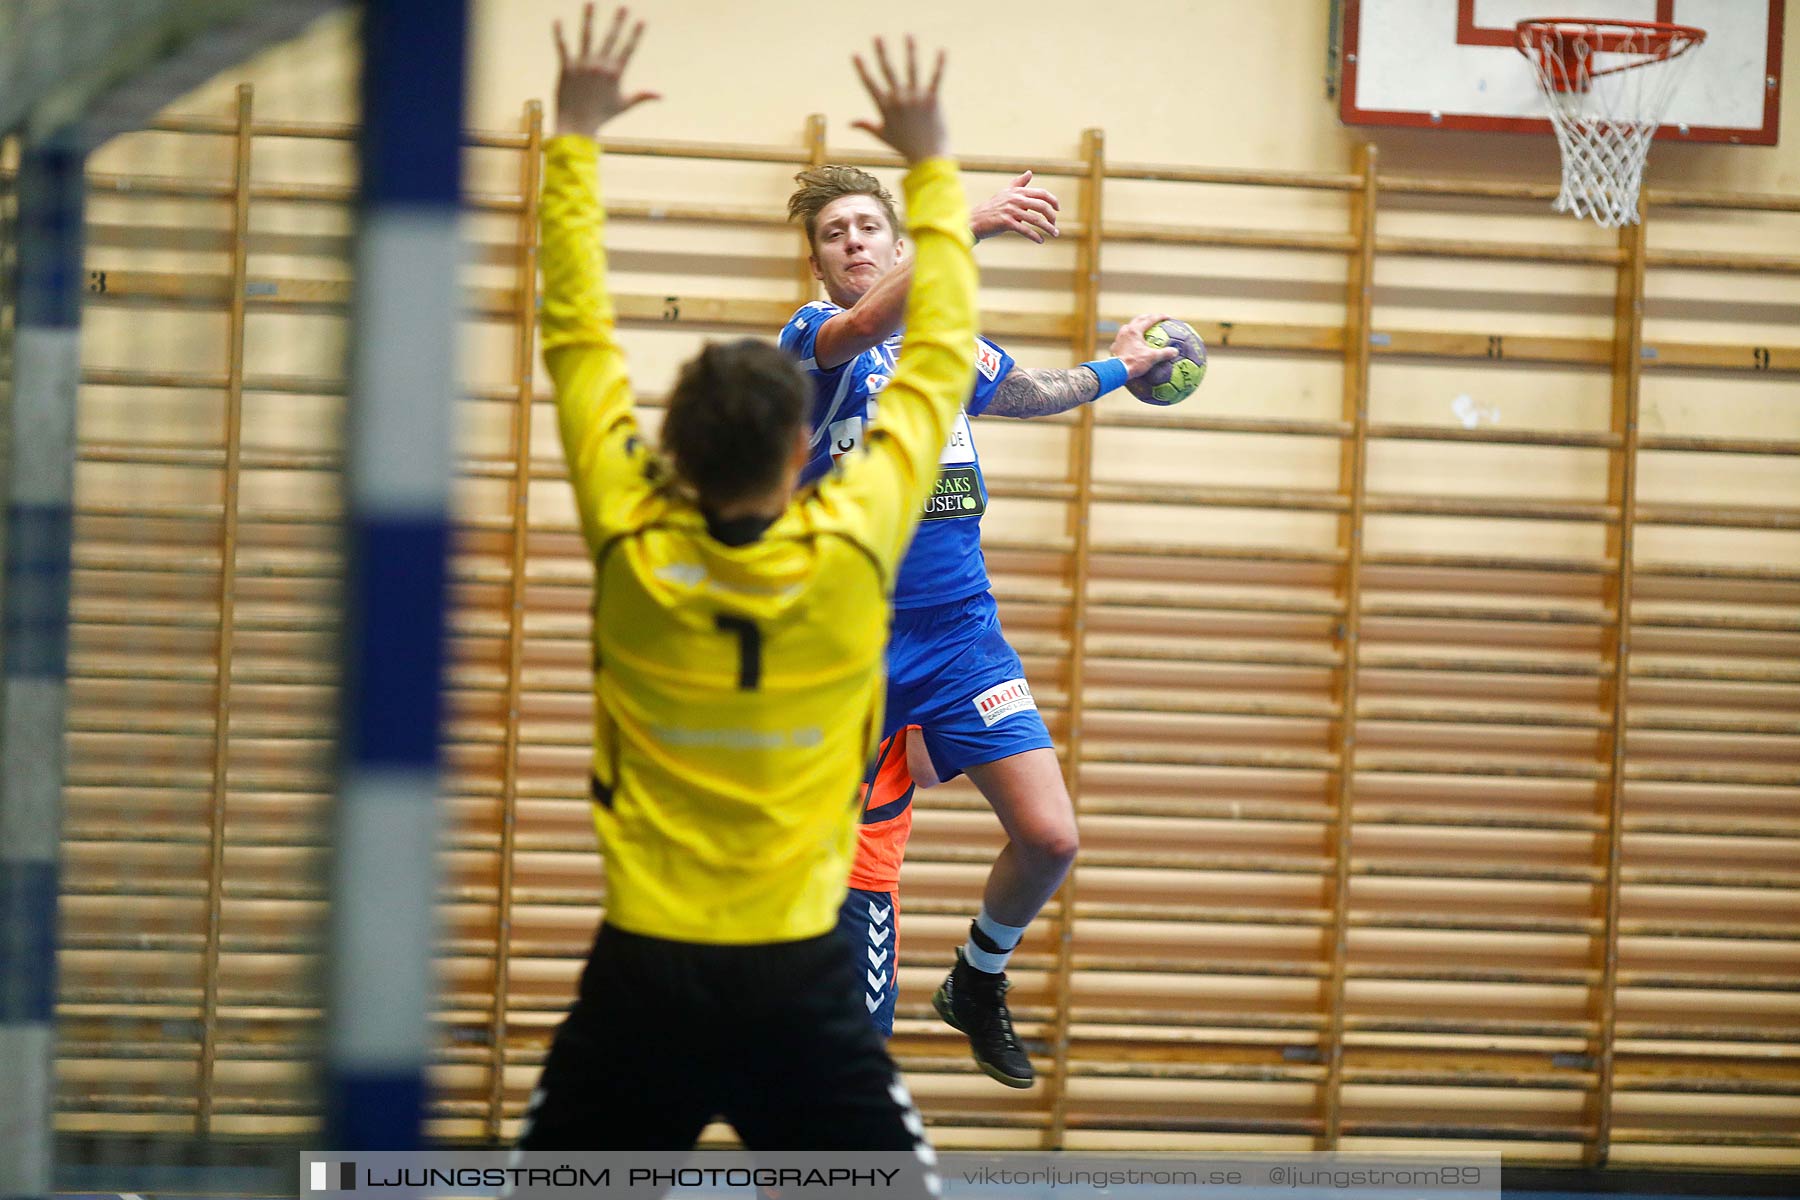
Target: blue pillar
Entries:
(40, 486)
(403, 391)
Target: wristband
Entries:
(1110, 372)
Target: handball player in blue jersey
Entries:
(950, 670)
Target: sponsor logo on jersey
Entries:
(957, 494)
(987, 359)
(846, 435)
(875, 383)
(1003, 700)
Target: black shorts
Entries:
(664, 1036)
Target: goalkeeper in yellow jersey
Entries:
(738, 647)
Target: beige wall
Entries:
(1214, 82)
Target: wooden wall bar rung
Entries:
(1412, 185)
(156, 187)
(1752, 1034)
(1496, 507)
(1192, 1018)
(1718, 445)
(1714, 826)
(1478, 562)
(1476, 714)
(1461, 765)
(1723, 622)
(1199, 966)
(1236, 810)
(1736, 516)
(1419, 247)
(1771, 932)
(1744, 776)
(1272, 498)
(981, 163)
(1776, 726)
(280, 384)
(1331, 181)
(1496, 923)
(1234, 863)
(261, 292)
(1690, 1137)
(1202, 423)
(1694, 980)
(181, 188)
(1705, 260)
(1474, 611)
(1743, 201)
(1220, 553)
(1381, 814)
(1247, 653)
(1710, 879)
(1754, 359)
(1113, 595)
(317, 130)
(1238, 239)
(1512, 437)
(209, 457)
(709, 214)
(1754, 574)
(1169, 1071)
(1131, 700)
(1195, 914)
(1106, 751)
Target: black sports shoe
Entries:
(974, 1002)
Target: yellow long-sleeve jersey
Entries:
(738, 689)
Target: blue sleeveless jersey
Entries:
(945, 562)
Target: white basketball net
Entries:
(1607, 85)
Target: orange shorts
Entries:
(887, 797)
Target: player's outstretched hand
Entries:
(1028, 211)
(911, 121)
(1130, 348)
(589, 89)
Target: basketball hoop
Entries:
(1608, 84)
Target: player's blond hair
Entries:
(819, 186)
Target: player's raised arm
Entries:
(937, 357)
(593, 395)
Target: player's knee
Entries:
(1055, 846)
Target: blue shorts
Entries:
(951, 672)
(870, 923)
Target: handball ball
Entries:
(1173, 381)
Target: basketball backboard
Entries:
(1454, 64)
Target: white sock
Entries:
(990, 943)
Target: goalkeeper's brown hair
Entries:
(819, 186)
(733, 420)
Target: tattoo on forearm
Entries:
(1038, 393)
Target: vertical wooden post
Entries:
(228, 535)
(524, 342)
(1352, 481)
(1627, 373)
(1081, 471)
(815, 157)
